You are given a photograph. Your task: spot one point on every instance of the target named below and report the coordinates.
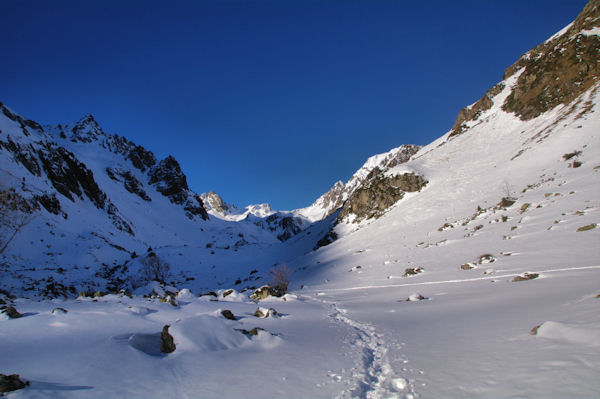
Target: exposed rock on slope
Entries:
(473, 112)
(558, 70)
(170, 180)
(69, 176)
(553, 73)
(333, 200)
(130, 182)
(373, 198)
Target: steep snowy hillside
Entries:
(468, 269)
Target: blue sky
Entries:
(265, 101)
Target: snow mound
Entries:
(206, 333)
(588, 335)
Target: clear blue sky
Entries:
(265, 101)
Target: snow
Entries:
(585, 335)
(559, 33)
(593, 31)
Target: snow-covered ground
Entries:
(485, 284)
(355, 326)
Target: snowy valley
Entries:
(468, 267)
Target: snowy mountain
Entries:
(333, 200)
(97, 200)
(108, 200)
(464, 268)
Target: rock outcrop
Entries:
(167, 344)
(380, 192)
(558, 70)
(553, 73)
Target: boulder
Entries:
(252, 332)
(415, 297)
(412, 271)
(10, 383)
(228, 314)
(525, 277)
(167, 345)
(261, 293)
(11, 312)
(264, 313)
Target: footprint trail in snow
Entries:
(373, 376)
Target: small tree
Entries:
(280, 279)
(15, 213)
(506, 189)
(155, 268)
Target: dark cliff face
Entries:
(69, 176)
(170, 180)
(555, 72)
(130, 182)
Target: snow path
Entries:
(466, 280)
(373, 376)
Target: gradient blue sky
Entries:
(265, 101)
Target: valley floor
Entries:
(468, 337)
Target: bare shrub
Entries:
(15, 213)
(507, 189)
(280, 279)
(155, 268)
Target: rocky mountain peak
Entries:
(213, 201)
(334, 198)
(87, 130)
